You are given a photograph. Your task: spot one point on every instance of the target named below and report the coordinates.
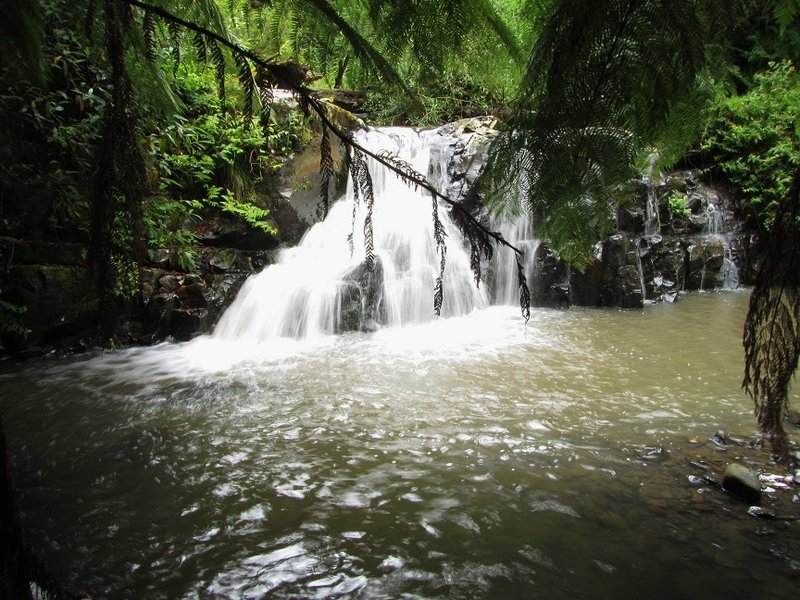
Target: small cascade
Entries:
(651, 224)
(322, 286)
(504, 286)
(715, 228)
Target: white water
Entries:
(715, 227)
(504, 285)
(301, 296)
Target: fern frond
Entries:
(200, 47)
(248, 84)
(219, 70)
(439, 235)
(772, 327)
(275, 25)
(403, 170)
(266, 97)
(479, 240)
(149, 32)
(601, 82)
(362, 48)
(485, 10)
(362, 189)
(175, 36)
(785, 12)
(326, 168)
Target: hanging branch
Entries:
(772, 327)
(175, 34)
(219, 71)
(350, 162)
(362, 181)
(288, 75)
(524, 292)
(438, 235)
(200, 47)
(248, 87)
(326, 169)
(149, 30)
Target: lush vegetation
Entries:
(124, 121)
(753, 138)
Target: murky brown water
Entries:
(469, 458)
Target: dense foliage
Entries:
(753, 138)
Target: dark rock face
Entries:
(674, 234)
(550, 284)
(54, 285)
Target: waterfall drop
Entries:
(322, 286)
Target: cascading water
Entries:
(715, 228)
(311, 290)
(519, 232)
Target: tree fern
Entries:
(785, 12)
(601, 81)
(772, 327)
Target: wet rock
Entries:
(742, 482)
(631, 219)
(620, 261)
(551, 281)
(59, 300)
(360, 299)
(169, 282)
(793, 416)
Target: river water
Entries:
(472, 457)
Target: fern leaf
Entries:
(265, 96)
(362, 48)
(524, 292)
(219, 68)
(200, 47)
(326, 168)
(407, 173)
(175, 35)
(479, 240)
(149, 31)
(362, 189)
(439, 235)
(248, 87)
(600, 84)
(785, 12)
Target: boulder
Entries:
(742, 482)
(550, 285)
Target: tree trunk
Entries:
(121, 182)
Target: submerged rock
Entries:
(742, 482)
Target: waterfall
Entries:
(320, 287)
(503, 282)
(651, 225)
(715, 228)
